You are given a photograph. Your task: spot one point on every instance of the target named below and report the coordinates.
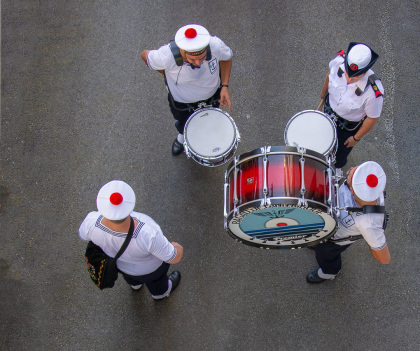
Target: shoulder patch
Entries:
(371, 79)
(341, 53)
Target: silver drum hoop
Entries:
(329, 150)
(229, 145)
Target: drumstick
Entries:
(321, 104)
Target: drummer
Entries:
(196, 68)
(364, 186)
(352, 94)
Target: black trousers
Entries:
(342, 135)
(328, 256)
(342, 150)
(182, 111)
(156, 282)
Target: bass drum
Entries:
(280, 197)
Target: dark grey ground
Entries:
(79, 108)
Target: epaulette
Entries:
(371, 79)
(372, 82)
(341, 53)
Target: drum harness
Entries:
(364, 209)
(180, 62)
(340, 121)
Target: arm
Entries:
(324, 92)
(324, 89)
(382, 255)
(179, 253)
(225, 69)
(144, 58)
(367, 125)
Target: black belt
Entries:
(340, 121)
(194, 105)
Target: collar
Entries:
(361, 83)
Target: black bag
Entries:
(103, 269)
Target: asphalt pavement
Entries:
(79, 108)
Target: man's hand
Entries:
(350, 142)
(225, 98)
(179, 253)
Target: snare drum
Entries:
(210, 137)
(312, 130)
(280, 197)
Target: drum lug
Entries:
(201, 105)
(226, 186)
(265, 188)
(187, 150)
(303, 202)
(302, 174)
(265, 202)
(337, 178)
(235, 185)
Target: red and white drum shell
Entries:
(280, 197)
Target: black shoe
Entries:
(174, 277)
(177, 148)
(313, 277)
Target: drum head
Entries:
(209, 132)
(281, 226)
(312, 130)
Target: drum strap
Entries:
(349, 238)
(340, 121)
(366, 209)
(177, 54)
(371, 209)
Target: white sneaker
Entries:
(136, 287)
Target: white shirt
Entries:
(342, 96)
(147, 250)
(189, 85)
(369, 225)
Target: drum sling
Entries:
(364, 210)
(341, 122)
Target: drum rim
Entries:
(233, 146)
(218, 161)
(333, 144)
(229, 217)
(290, 201)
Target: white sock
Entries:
(324, 275)
(180, 138)
(166, 294)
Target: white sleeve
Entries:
(221, 50)
(159, 246)
(161, 58)
(86, 225)
(370, 226)
(373, 107)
